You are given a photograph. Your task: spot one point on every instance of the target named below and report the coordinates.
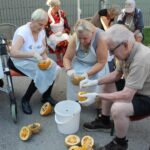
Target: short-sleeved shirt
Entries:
(136, 69)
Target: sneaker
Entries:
(113, 145)
(97, 125)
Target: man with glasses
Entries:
(133, 99)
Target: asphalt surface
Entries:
(49, 137)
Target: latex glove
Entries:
(37, 56)
(58, 33)
(91, 97)
(71, 72)
(86, 83)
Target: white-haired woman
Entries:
(28, 48)
(57, 30)
(86, 56)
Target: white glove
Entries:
(71, 72)
(37, 56)
(58, 33)
(86, 83)
(91, 97)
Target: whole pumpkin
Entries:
(44, 64)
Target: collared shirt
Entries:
(136, 69)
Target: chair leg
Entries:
(112, 129)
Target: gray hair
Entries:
(119, 33)
(53, 3)
(39, 14)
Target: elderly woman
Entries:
(132, 18)
(28, 48)
(86, 56)
(57, 30)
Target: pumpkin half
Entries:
(72, 140)
(87, 141)
(35, 127)
(76, 79)
(25, 133)
(73, 147)
(44, 64)
(81, 98)
(46, 109)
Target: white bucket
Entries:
(67, 116)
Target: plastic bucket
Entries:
(67, 116)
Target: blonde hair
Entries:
(83, 25)
(39, 14)
(53, 3)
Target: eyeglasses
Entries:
(112, 51)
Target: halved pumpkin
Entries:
(72, 140)
(46, 109)
(81, 98)
(45, 64)
(35, 127)
(74, 147)
(87, 141)
(76, 79)
(25, 133)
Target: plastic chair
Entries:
(6, 35)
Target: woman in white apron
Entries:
(86, 55)
(57, 30)
(28, 47)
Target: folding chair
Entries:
(6, 35)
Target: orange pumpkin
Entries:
(72, 140)
(46, 109)
(25, 133)
(87, 141)
(35, 127)
(81, 98)
(45, 64)
(76, 79)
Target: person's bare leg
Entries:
(120, 112)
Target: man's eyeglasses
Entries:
(112, 51)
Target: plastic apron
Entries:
(82, 64)
(57, 28)
(42, 78)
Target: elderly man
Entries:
(134, 99)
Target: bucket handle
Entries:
(59, 122)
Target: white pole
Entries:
(78, 9)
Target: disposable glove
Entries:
(91, 97)
(71, 72)
(37, 56)
(86, 83)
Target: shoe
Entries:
(50, 100)
(113, 145)
(97, 125)
(26, 108)
(1, 83)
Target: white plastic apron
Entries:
(82, 65)
(57, 29)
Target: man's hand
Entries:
(86, 83)
(91, 97)
(37, 56)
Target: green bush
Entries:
(147, 36)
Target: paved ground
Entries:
(49, 138)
